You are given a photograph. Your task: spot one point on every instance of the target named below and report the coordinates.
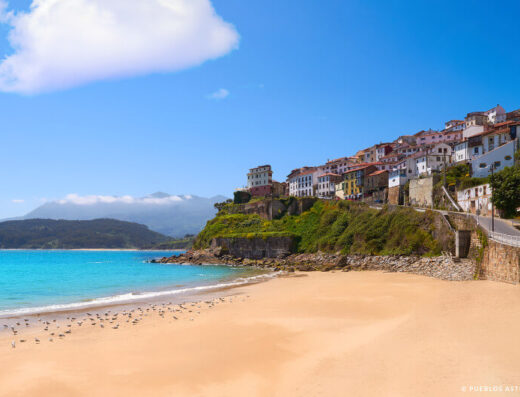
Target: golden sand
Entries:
(320, 334)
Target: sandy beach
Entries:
(311, 334)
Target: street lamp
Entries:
(492, 203)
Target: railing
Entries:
(505, 239)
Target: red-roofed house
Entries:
(260, 180)
(302, 181)
(376, 181)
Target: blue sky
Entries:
(309, 81)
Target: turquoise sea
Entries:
(34, 281)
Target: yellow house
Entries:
(355, 181)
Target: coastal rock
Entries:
(442, 267)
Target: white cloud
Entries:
(65, 43)
(18, 201)
(219, 94)
(97, 199)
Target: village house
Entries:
(327, 185)
(430, 137)
(376, 181)
(408, 139)
(260, 180)
(397, 178)
(454, 125)
(355, 181)
(407, 165)
(337, 166)
(407, 149)
(468, 149)
(476, 200)
(302, 182)
(498, 135)
(382, 150)
(428, 162)
(452, 136)
(498, 159)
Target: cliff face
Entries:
(255, 247)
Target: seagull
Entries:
(13, 344)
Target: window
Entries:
(507, 158)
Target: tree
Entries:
(506, 190)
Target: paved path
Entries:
(501, 226)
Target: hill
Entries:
(63, 234)
(174, 216)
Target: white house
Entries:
(472, 130)
(475, 199)
(408, 166)
(496, 115)
(397, 177)
(302, 182)
(501, 157)
(426, 163)
(326, 187)
(468, 150)
(494, 139)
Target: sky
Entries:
(118, 98)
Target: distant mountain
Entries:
(98, 233)
(174, 216)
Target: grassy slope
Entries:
(336, 226)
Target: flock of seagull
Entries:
(110, 319)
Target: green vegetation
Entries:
(458, 176)
(335, 226)
(98, 233)
(506, 190)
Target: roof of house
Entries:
(378, 172)
(418, 154)
(328, 174)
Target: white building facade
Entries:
(476, 200)
(499, 158)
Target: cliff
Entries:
(330, 226)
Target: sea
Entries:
(37, 281)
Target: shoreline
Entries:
(131, 299)
(318, 333)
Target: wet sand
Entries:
(315, 334)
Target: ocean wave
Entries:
(131, 297)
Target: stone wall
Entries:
(254, 248)
(394, 193)
(501, 262)
(460, 221)
(421, 191)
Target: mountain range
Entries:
(171, 215)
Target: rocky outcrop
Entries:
(442, 267)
